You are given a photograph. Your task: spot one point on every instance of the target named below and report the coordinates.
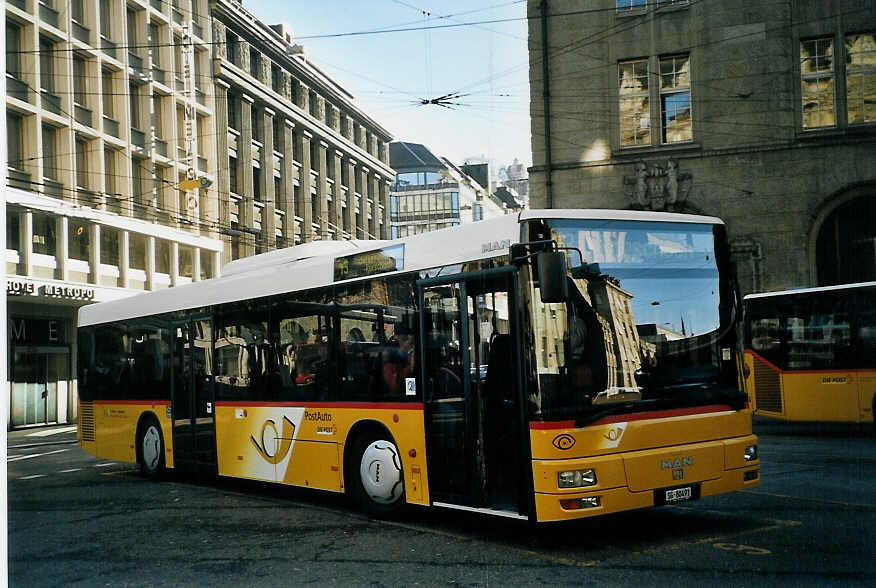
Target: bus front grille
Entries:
(86, 421)
(767, 387)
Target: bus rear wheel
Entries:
(375, 478)
(150, 445)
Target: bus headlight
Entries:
(750, 453)
(576, 478)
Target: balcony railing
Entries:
(138, 138)
(111, 126)
(83, 115)
(49, 15)
(53, 188)
(17, 89)
(161, 147)
(411, 188)
(51, 102)
(80, 32)
(109, 47)
(18, 179)
(135, 61)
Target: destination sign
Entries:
(369, 263)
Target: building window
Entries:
(634, 103)
(80, 81)
(206, 264)
(81, 147)
(255, 62)
(232, 47)
(257, 184)
(78, 10)
(232, 175)
(478, 212)
(78, 240)
(232, 112)
(816, 70)
(630, 4)
(13, 234)
(162, 256)
(276, 78)
(675, 99)
(47, 65)
(14, 140)
(13, 50)
(186, 261)
(50, 168)
(861, 78)
(255, 124)
(109, 246)
(43, 234)
(137, 252)
(105, 19)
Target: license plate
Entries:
(679, 494)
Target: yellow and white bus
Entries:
(548, 366)
(811, 353)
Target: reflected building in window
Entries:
(431, 193)
(761, 114)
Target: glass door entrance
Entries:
(39, 380)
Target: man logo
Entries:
(564, 442)
(678, 462)
(273, 447)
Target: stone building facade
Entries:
(119, 140)
(300, 160)
(763, 114)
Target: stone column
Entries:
(62, 228)
(288, 202)
(94, 253)
(25, 252)
(244, 174)
(268, 196)
(124, 259)
(322, 191)
(196, 264)
(304, 189)
(373, 199)
(337, 196)
(385, 232)
(174, 263)
(350, 210)
(150, 262)
(303, 98)
(362, 225)
(223, 176)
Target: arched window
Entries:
(846, 246)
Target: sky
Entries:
(390, 73)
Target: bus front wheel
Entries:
(150, 444)
(377, 483)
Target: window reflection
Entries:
(816, 68)
(861, 77)
(634, 103)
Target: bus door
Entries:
(472, 392)
(194, 427)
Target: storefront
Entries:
(41, 332)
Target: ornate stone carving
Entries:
(286, 89)
(658, 188)
(220, 50)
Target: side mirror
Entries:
(552, 276)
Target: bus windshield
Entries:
(647, 329)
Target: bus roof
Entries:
(799, 291)
(311, 265)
